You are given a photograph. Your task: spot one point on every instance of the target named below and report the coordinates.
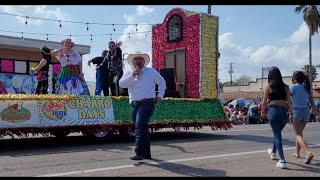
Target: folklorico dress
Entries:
(42, 77)
(68, 80)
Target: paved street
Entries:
(240, 151)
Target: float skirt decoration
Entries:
(174, 112)
(169, 113)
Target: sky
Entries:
(251, 37)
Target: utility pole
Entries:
(209, 9)
(262, 76)
(230, 72)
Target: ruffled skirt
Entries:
(69, 82)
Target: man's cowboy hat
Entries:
(138, 54)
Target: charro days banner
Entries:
(78, 111)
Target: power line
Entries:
(164, 33)
(76, 22)
(92, 35)
(79, 22)
(74, 34)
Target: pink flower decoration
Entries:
(190, 41)
(7, 65)
(74, 55)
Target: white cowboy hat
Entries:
(138, 54)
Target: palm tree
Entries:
(312, 18)
(314, 73)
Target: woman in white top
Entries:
(69, 79)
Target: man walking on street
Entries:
(141, 83)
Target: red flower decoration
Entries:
(56, 68)
(190, 42)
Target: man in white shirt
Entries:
(141, 83)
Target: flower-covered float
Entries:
(184, 51)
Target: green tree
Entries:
(243, 80)
(228, 83)
(312, 18)
(314, 73)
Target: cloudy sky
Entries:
(252, 37)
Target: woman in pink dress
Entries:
(69, 79)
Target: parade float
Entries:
(184, 51)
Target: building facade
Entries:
(255, 89)
(18, 56)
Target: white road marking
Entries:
(162, 162)
(242, 130)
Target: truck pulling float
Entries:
(184, 51)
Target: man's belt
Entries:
(142, 101)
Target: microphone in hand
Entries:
(139, 65)
(137, 71)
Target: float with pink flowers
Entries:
(184, 51)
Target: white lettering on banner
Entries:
(78, 111)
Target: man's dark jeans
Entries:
(141, 113)
(278, 118)
(102, 83)
(98, 83)
(114, 77)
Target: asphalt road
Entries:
(240, 151)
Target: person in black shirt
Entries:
(102, 73)
(114, 59)
(43, 68)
